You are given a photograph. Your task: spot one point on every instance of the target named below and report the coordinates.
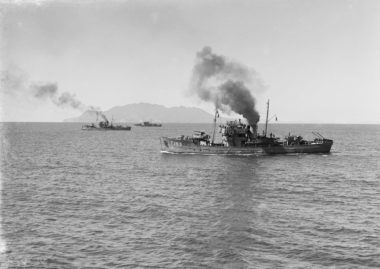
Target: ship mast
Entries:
(213, 133)
(266, 120)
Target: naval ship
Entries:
(105, 125)
(148, 124)
(241, 139)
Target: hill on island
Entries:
(149, 112)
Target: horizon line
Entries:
(290, 122)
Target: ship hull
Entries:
(148, 125)
(171, 145)
(106, 129)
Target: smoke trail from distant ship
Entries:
(15, 81)
(225, 83)
(50, 90)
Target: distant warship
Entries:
(239, 138)
(148, 124)
(105, 125)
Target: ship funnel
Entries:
(252, 132)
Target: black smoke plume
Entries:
(15, 82)
(224, 82)
(68, 99)
(44, 90)
(50, 91)
(236, 96)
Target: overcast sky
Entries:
(319, 60)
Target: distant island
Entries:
(149, 112)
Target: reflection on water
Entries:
(238, 210)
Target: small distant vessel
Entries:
(148, 124)
(105, 125)
(238, 139)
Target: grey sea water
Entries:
(82, 199)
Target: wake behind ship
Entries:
(241, 139)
